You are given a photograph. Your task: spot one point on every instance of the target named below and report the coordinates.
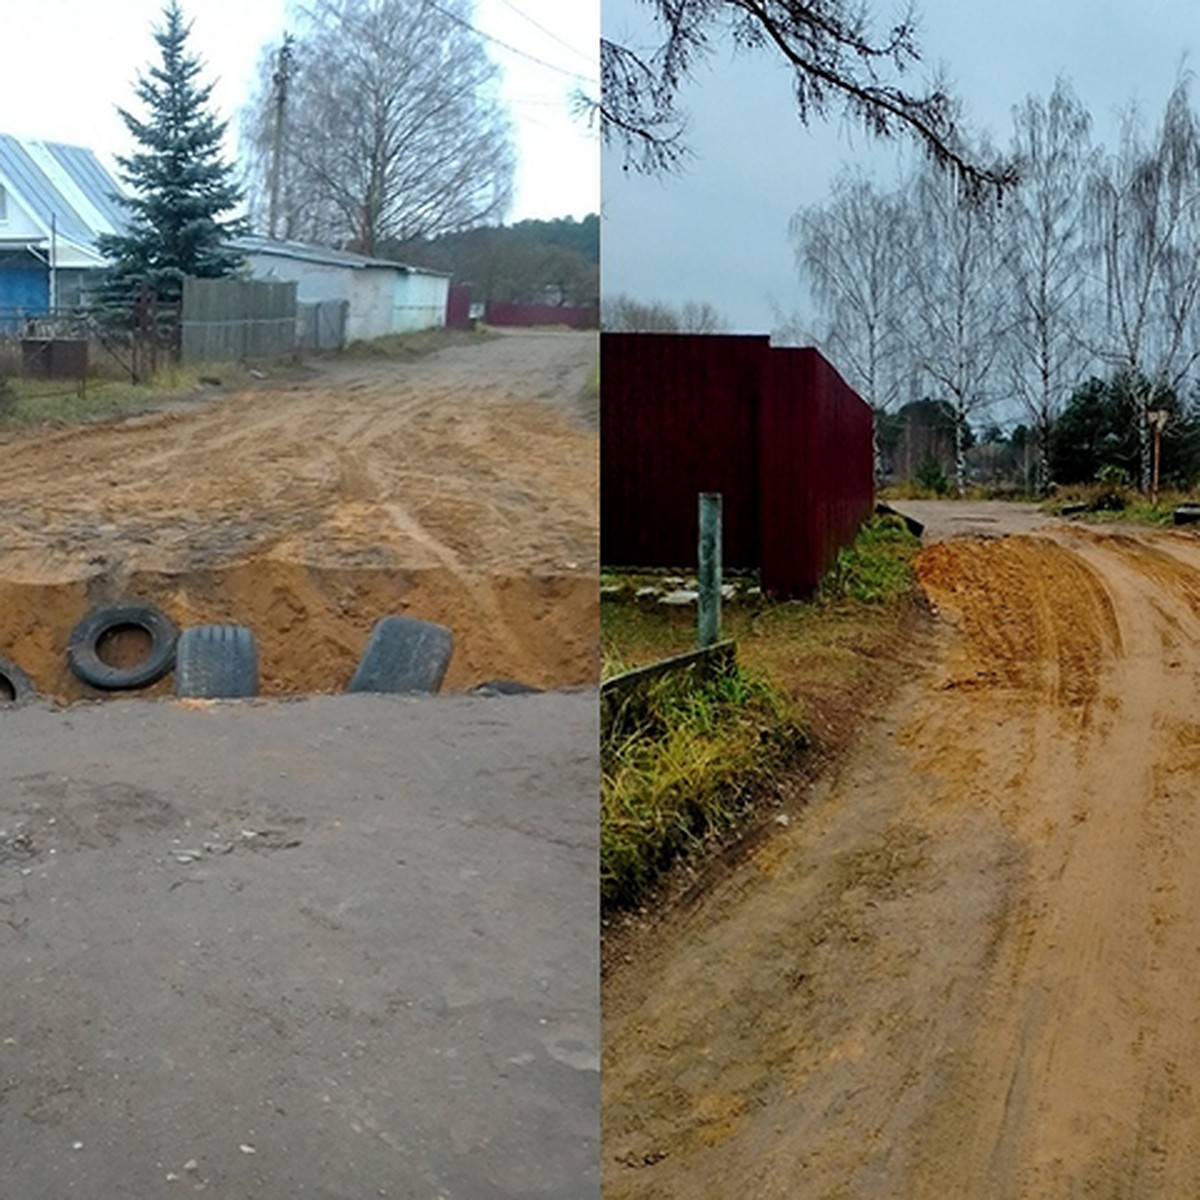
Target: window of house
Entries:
(3, 204)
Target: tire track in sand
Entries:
(969, 970)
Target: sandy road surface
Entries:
(461, 488)
(970, 968)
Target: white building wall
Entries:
(420, 302)
(371, 303)
(381, 300)
(314, 281)
(17, 221)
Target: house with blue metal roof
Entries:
(55, 200)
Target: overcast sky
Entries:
(68, 64)
(718, 231)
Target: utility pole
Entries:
(283, 73)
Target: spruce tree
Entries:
(181, 186)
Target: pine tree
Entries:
(181, 185)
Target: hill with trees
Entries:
(533, 261)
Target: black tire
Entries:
(15, 686)
(505, 687)
(216, 662)
(404, 655)
(86, 636)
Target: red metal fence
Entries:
(458, 307)
(572, 315)
(776, 431)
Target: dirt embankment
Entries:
(968, 969)
(462, 488)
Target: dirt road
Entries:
(461, 488)
(970, 967)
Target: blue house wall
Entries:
(24, 286)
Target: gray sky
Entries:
(718, 230)
(68, 64)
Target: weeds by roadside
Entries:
(29, 401)
(1114, 500)
(683, 770)
(875, 569)
(690, 766)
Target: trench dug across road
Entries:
(969, 967)
(460, 488)
(342, 945)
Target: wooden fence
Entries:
(228, 319)
(776, 431)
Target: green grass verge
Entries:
(687, 763)
(42, 401)
(683, 769)
(1117, 502)
(875, 568)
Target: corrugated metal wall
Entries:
(777, 432)
(574, 316)
(419, 302)
(678, 416)
(458, 307)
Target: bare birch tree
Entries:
(623, 314)
(1144, 203)
(837, 59)
(848, 251)
(393, 128)
(1046, 256)
(957, 313)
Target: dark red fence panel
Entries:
(458, 306)
(678, 416)
(816, 482)
(573, 316)
(776, 431)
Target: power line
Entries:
(548, 32)
(487, 37)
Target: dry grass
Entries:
(694, 763)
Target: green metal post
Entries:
(709, 600)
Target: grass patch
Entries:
(591, 385)
(55, 401)
(683, 769)
(43, 401)
(688, 764)
(875, 569)
(1109, 502)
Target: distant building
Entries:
(55, 200)
(382, 297)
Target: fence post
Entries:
(708, 604)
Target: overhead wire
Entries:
(488, 37)
(548, 32)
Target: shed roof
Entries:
(324, 256)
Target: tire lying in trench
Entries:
(85, 661)
(216, 662)
(15, 686)
(404, 655)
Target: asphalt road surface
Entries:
(336, 947)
